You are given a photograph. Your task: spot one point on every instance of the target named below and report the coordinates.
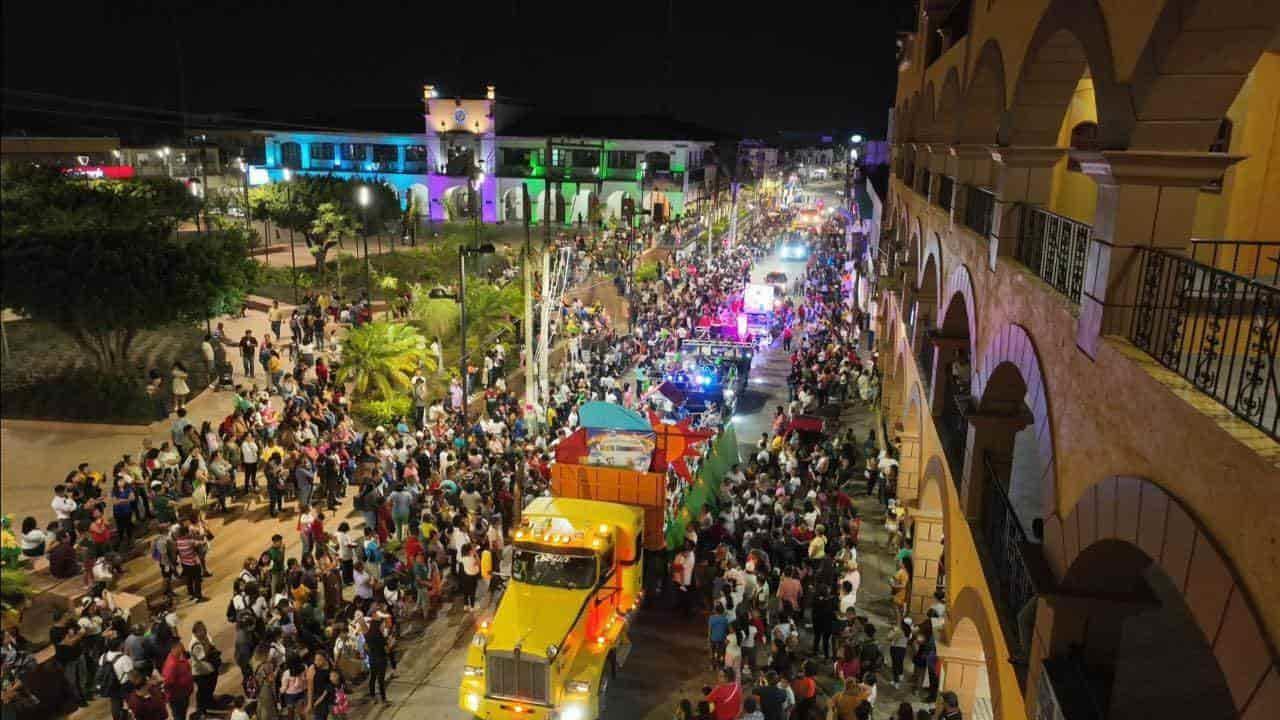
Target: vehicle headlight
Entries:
(479, 639)
(552, 650)
(577, 686)
(472, 671)
(473, 702)
(573, 712)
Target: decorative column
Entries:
(1018, 175)
(989, 433)
(963, 673)
(908, 463)
(968, 165)
(926, 559)
(1145, 199)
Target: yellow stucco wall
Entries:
(1254, 183)
(1074, 194)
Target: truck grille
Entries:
(519, 679)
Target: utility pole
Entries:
(544, 332)
(530, 392)
(462, 322)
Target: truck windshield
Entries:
(555, 569)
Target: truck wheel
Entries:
(606, 678)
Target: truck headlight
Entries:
(473, 702)
(472, 671)
(577, 686)
(552, 650)
(573, 712)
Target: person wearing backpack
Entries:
(112, 677)
(206, 660)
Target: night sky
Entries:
(794, 66)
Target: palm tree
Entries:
(492, 308)
(380, 358)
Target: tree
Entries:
(490, 310)
(330, 226)
(324, 208)
(379, 359)
(102, 261)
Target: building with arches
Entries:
(464, 158)
(1078, 326)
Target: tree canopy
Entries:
(103, 261)
(325, 209)
(379, 359)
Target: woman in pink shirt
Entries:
(789, 590)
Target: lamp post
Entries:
(363, 197)
(477, 201)
(464, 376)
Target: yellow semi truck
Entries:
(560, 631)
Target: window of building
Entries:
(622, 159)
(1084, 136)
(585, 158)
(291, 155)
(322, 151)
(386, 154)
(517, 157)
(415, 153)
(557, 157)
(354, 151)
(1221, 144)
(657, 161)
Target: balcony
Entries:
(946, 191)
(517, 171)
(625, 174)
(1055, 248)
(979, 210)
(1217, 329)
(909, 175)
(924, 180)
(1005, 551)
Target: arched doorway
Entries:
(924, 313)
(1147, 615)
(512, 207)
(459, 203)
(952, 372)
(583, 202)
(557, 211)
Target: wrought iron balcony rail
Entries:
(1217, 329)
(1055, 248)
(1258, 261)
(925, 177)
(979, 209)
(1004, 543)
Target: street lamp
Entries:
(461, 297)
(363, 197)
(477, 200)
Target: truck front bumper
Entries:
(488, 708)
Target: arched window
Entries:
(1221, 144)
(1084, 136)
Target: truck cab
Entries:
(560, 631)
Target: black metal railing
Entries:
(1258, 261)
(953, 427)
(1056, 248)
(1219, 330)
(979, 209)
(924, 357)
(909, 175)
(926, 177)
(946, 189)
(1074, 689)
(1003, 539)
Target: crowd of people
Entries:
(776, 563)
(436, 492)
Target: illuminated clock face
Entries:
(460, 116)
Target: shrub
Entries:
(82, 394)
(382, 412)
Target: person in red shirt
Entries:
(725, 698)
(178, 681)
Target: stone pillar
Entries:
(968, 165)
(1019, 175)
(926, 559)
(993, 433)
(963, 669)
(944, 348)
(908, 464)
(1145, 199)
